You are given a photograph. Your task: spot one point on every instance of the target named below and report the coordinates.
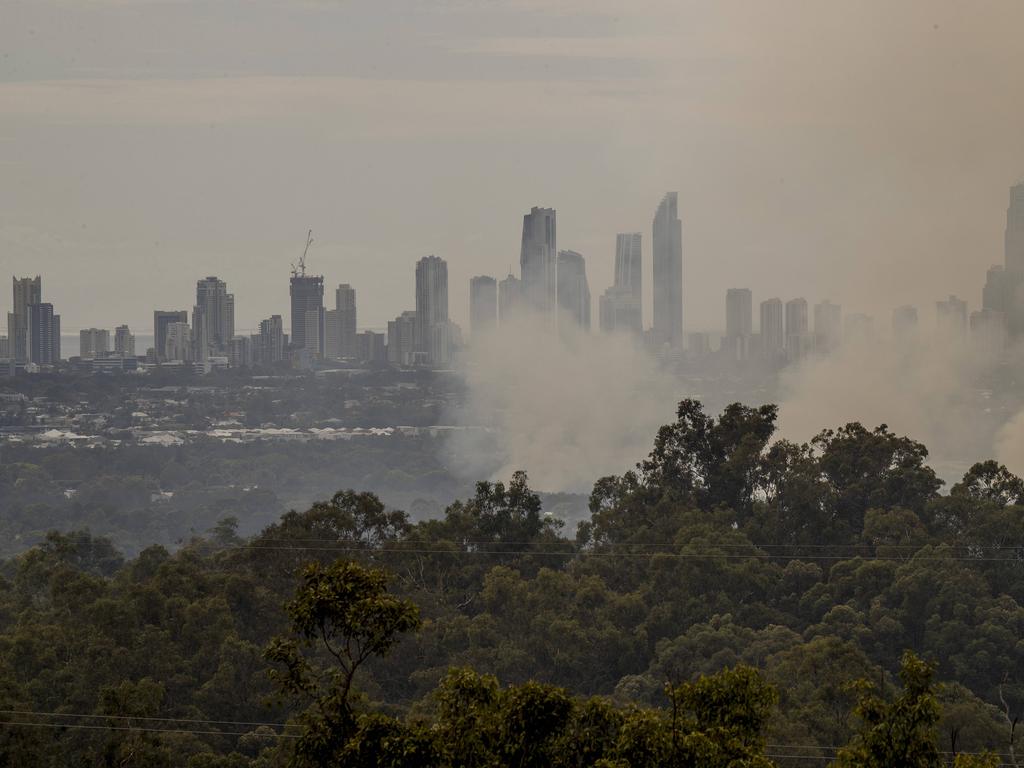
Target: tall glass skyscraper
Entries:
(307, 331)
(213, 317)
(431, 308)
(537, 260)
(667, 258)
(483, 304)
(573, 289)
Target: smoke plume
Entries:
(566, 406)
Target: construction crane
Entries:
(299, 270)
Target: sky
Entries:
(856, 151)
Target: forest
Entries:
(733, 600)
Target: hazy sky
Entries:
(858, 151)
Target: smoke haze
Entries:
(568, 408)
(572, 407)
(933, 389)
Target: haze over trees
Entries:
(730, 601)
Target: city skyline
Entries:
(993, 286)
(135, 171)
(556, 289)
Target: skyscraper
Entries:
(483, 304)
(307, 315)
(739, 321)
(124, 341)
(178, 344)
(773, 329)
(537, 258)
(573, 290)
(431, 304)
(213, 318)
(332, 335)
(93, 343)
(27, 291)
(161, 320)
(271, 341)
(345, 306)
(828, 326)
(797, 338)
(510, 298)
(401, 339)
(1014, 238)
(43, 334)
(616, 311)
(370, 347)
(952, 316)
(667, 258)
(629, 274)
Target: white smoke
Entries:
(569, 407)
(939, 390)
(566, 406)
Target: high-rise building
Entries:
(988, 330)
(797, 338)
(952, 315)
(431, 303)
(161, 320)
(271, 341)
(213, 318)
(124, 341)
(667, 259)
(616, 311)
(332, 335)
(93, 343)
(370, 347)
(5, 348)
(402, 339)
(240, 352)
(307, 313)
(510, 298)
(620, 307)
(1014, 238)
(340, 324)
(177, 342)
(904, 322)
(345, 306)
(573, 290)
(43, 334)
(629, 273)
(1004, 294)
(1009, 286)
(483, 304)
(444, 339)
(739, 322)
(27, 291)
(773, 329)
(828, 326)
(537, 261)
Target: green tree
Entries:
(711, 462)
(342, 615)
(900, 732)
